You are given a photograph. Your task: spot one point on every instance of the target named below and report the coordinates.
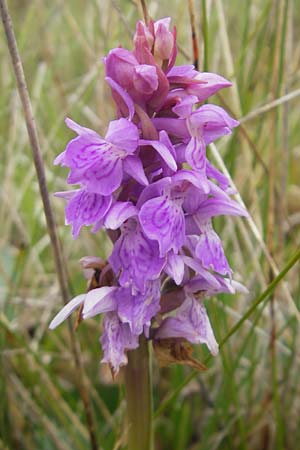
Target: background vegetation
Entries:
(250, 397)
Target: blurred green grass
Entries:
(249, 399)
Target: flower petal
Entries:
(67, 311)
(212, 122)
(67, 195)
(80, 130)
(175, 267)
(193, 200)
(115, 340)
(210, 84)
(213, 207)
(164, 39)
(138, 310)
(85, 208)
(135, 257)
(226, 285)
(192, 323)
(160, 94)
(163, 221)
(81, 153)
(118, 213)
(214, 173)
(145, 79)
(209, 251)
(185, 105)
(119, 66)
(174, 127)
(132, 165)
(213, 116)
(121, 96)
(143, 41)
(154, 189)
(194, 178)
(186, 71)
(123, 134)
(98, 301)
(163, 151)
(196, 154)
(60, 159)
(199, 270)
(94, 163)
(104, 176)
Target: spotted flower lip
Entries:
(116, 339)
(150, 184)
(162, 218)
(136, 257)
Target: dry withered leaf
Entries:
(108, 376)
(176, 351)
(78, 318)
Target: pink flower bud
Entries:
(145, 79)
(143, 34)
(119, 65)
(164, 39)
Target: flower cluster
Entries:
(150, 181)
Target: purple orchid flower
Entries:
(162, 217)
(85, 208)
(116, 339)
(190, 82)
(190, 322)
(98, 164)
(150, 184)
(136, 257)
(126, 317)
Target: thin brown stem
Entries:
(145, 11)
(194, 35)
(59, 262)
(284, 166)
(272, 224)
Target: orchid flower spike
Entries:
(150, 182)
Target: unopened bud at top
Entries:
(164, 39)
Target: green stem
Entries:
(138, 388)
(205, 36)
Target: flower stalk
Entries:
(138, 387)
(148, 180)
